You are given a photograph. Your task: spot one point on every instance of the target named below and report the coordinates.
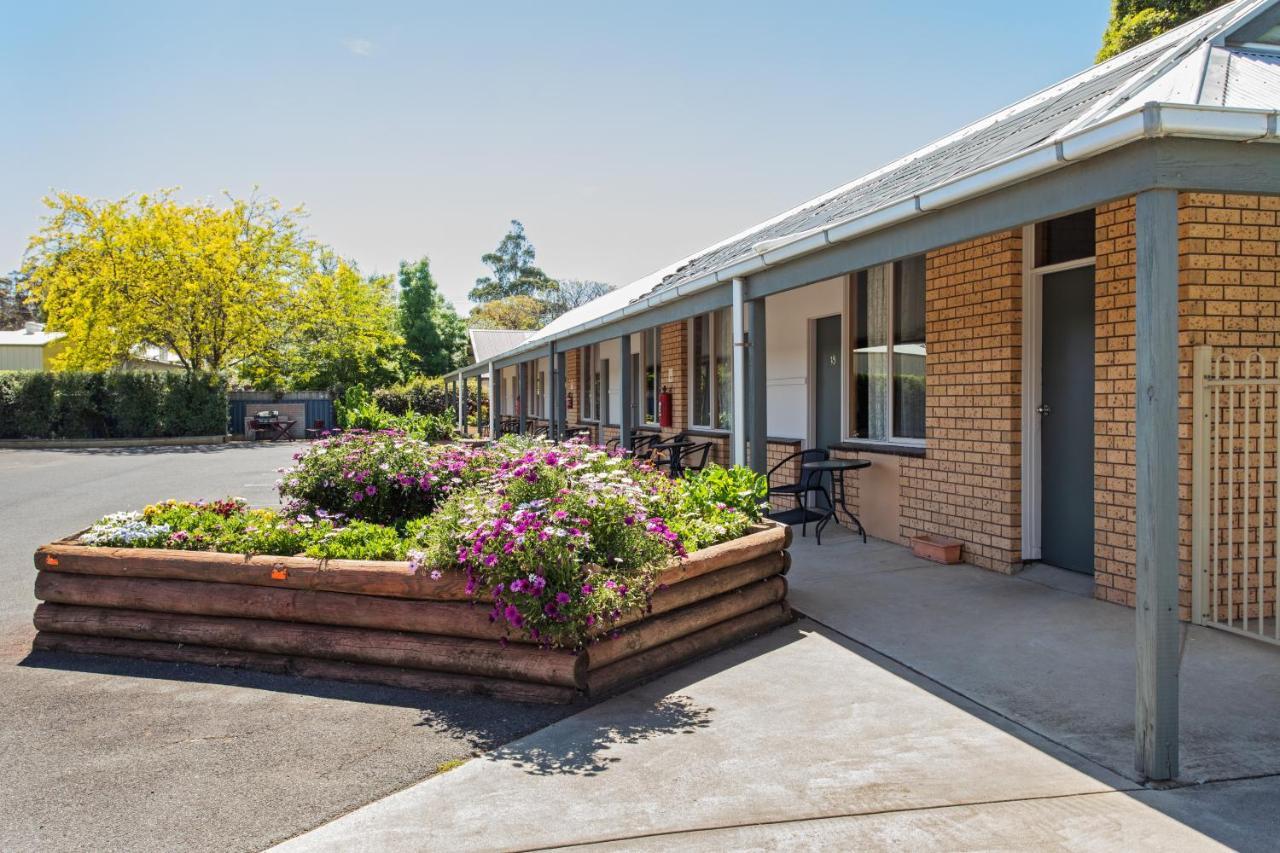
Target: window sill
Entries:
(884, 447)
(710, 432)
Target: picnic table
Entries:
(269, 426)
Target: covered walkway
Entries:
(922, 705)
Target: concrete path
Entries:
(109, 754)
(807, 738)
(798, 739)
(1038, 648)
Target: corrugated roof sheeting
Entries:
(1253, 80)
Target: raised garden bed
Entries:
(380, 622)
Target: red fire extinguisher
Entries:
(664, 408)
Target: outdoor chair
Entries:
(641, 444)
(806, 482)
(612, 444)
(695, 458)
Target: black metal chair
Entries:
(540, 431)
(612, 444)
(662, 457)
(808, 482)
(695, 458)
(642, 444)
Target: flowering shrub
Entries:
(126, 530)
(230, 525)
(382, 477)
(559, 540)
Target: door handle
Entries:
(1044, 409)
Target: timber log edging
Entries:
(380, 623)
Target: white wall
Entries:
(788, 316)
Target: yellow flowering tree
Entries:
(236, 288)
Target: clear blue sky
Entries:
(623, 135)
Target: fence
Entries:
(1235, 474)
(306, 407)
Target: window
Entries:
(1067, 238)
(649, 365)
(711, 369)
(592, 406)
(888, 342)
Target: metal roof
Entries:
(1190, 65)
(487, 343)
(30, 335)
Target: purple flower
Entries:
(370, 490)
(490, 560)
(587, 589)
(563, 597)
(513, 615)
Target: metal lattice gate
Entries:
(1235, 473)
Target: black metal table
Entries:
(674, 446)
(832, 467)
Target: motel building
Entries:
(1053, 333)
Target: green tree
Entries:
(435, 336)
(340, 329)
(14, 309)
(513, 312)
(513, 271)
(572, 293)
(1134, 21)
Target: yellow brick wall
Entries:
(1113, 405)
(1228, 297)
(969, 485)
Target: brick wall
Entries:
(1228, 297)
(1114, 463)
(969, 485)
(573, 386)
(673, 357)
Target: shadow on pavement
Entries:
(458, 715)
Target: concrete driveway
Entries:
(105, 754)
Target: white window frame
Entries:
(891, 281)
(589, 384)
(647, 417)
(715, 318)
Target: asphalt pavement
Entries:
(108, 754)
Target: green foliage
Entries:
(513, 271)
(1135, 21)
(510, 312)
(359, 540)
(435, 336)
(358, 410)
(14, 308)
(425, 395)
(111, 404)
(716, 504)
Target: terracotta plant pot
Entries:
(939, 549)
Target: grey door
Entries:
(826, 381)
(1066, 420)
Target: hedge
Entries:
(110, 404)
(422, 394)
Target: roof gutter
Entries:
(1153, 121)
